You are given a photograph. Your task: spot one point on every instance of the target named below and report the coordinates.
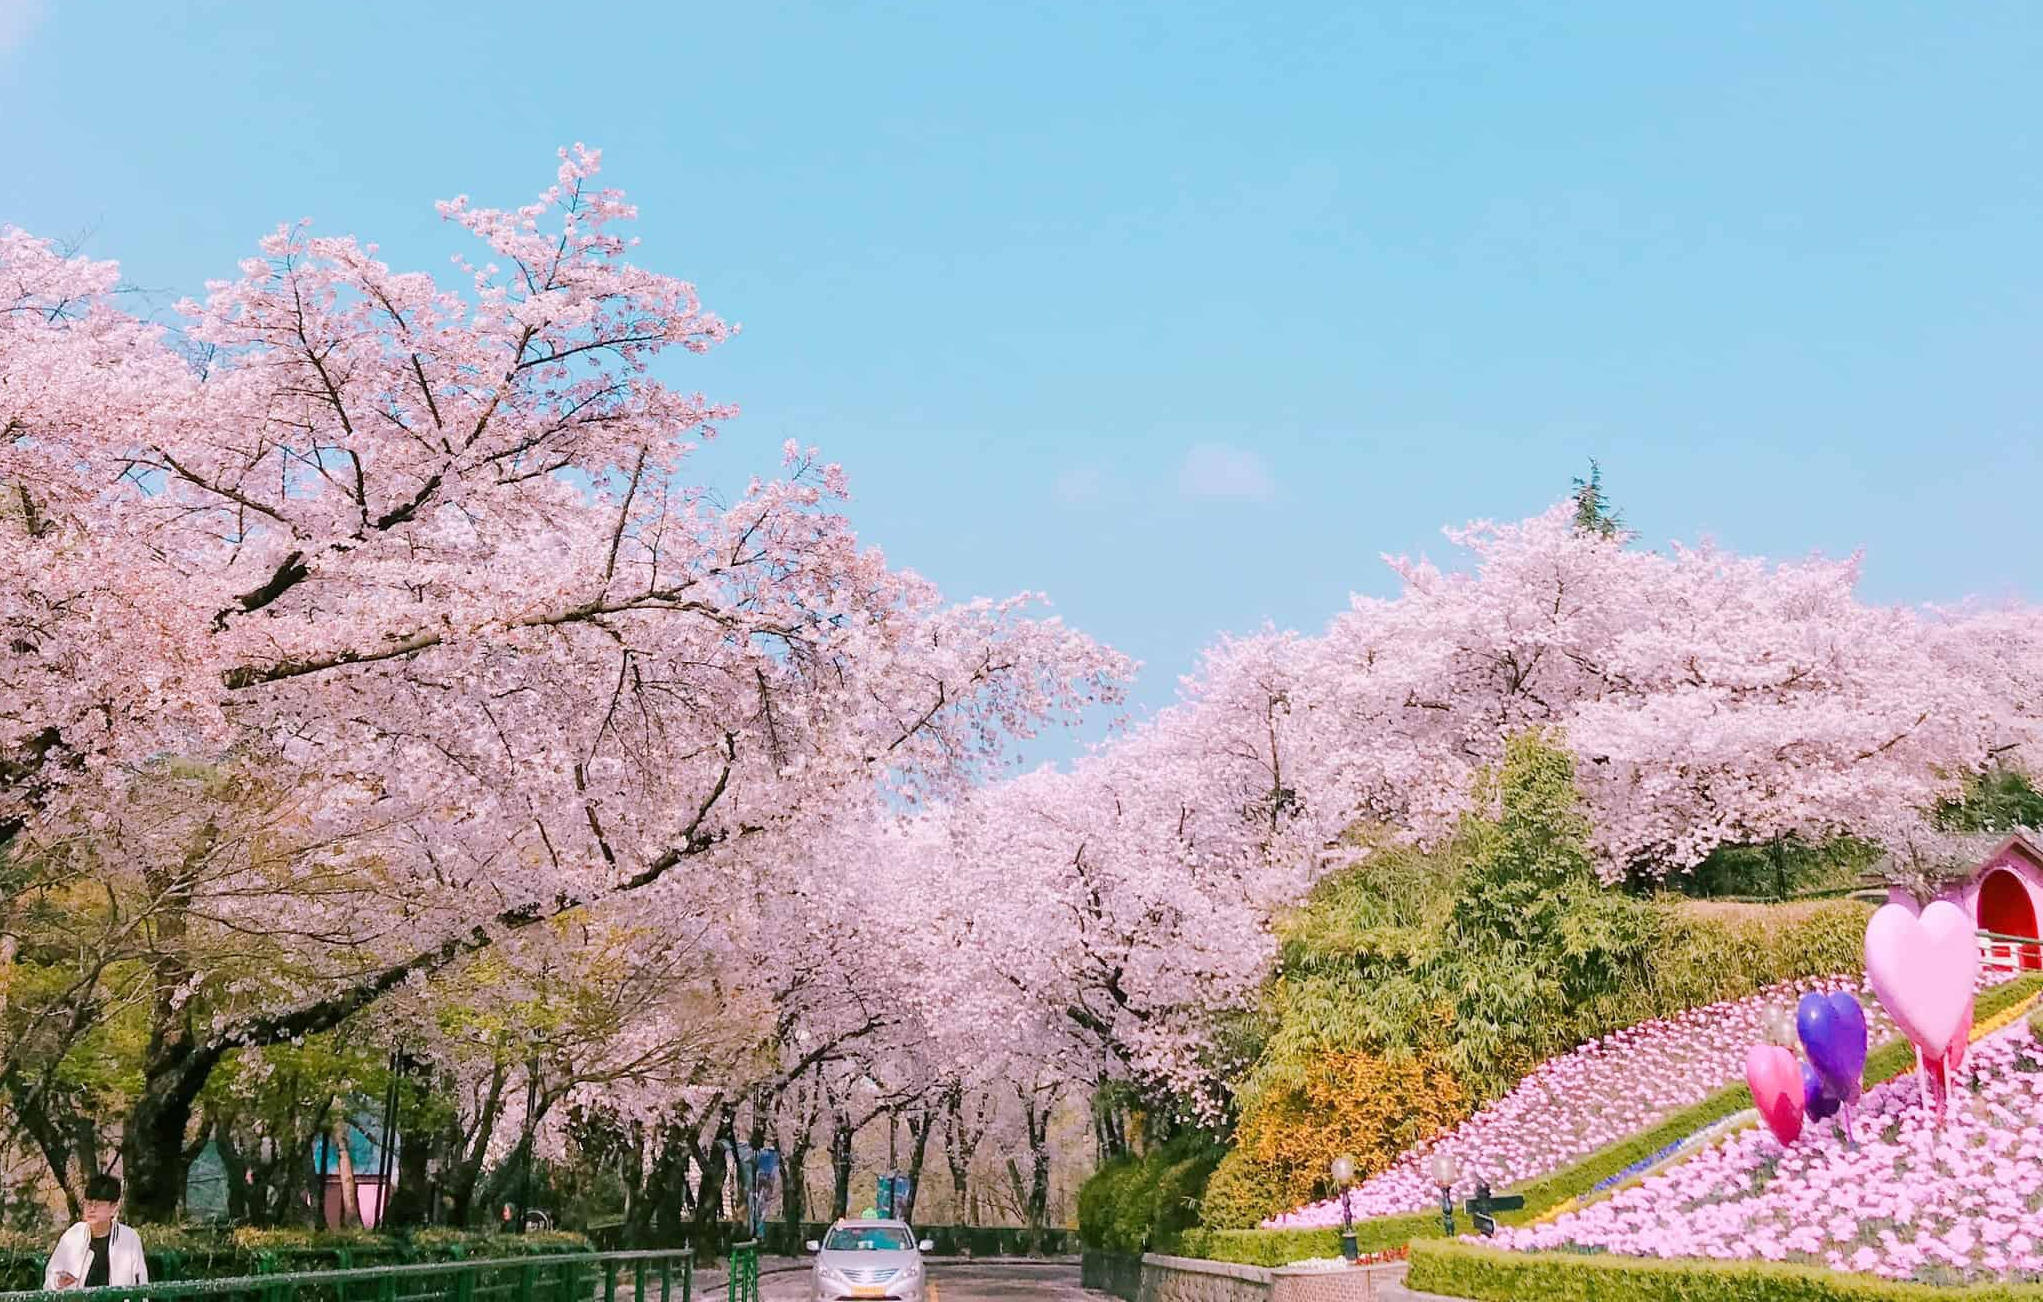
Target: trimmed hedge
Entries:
(1494, 1275)
(1281, 1247)
(1266, 1247)
(177, 1252)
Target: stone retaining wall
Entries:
(1355, 1284)
(1193, 1279)
(1190, 1279)
(1111, 1272)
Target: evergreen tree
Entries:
(1593, 511)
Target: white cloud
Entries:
(1218, 470)
(1078, 485)
(18, 19)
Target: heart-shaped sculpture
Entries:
(1833, 1031)
(1954, 1053)
(1776, 1082)
(1923, 969)
(1817, 1100)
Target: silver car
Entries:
(869, 1259)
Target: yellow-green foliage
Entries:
(1242, 1194)
(1706, 952)
(1363, 1105)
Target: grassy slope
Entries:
(1276, 1247)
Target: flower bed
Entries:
(1907, 1202)
(1581, 1101)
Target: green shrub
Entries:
(1709, 951)
(1132, 1204)
(1180, 1185)
(1242, 1194)
(1493, 1275)
(1099, 1196)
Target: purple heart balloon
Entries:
(1817, 1101)
(1844, 1075)
(1833, 1032)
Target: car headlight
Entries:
(832, 1275)
(913, 1270)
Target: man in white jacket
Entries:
(98, 1251)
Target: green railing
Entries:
(744, 1276)
(661, 1276)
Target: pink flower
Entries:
(1952, 1198)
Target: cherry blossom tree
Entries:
(1709, 698)
(1119, 910)
(429, 560)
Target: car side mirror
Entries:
(813, 1246)
(927, 1245)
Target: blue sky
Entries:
(1185, 312)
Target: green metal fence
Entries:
(744, 1277)
(661, 1276)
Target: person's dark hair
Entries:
(103, 1189)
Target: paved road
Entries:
(964, 1282)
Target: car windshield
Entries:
(868, 1238)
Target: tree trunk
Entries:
(641, 1212)
(961, 1138)
(1037, 1107)
(344, 1165)
(1109, 1128)
(714, 1159)
(152, 1145)
(68, 1143)
(794, 1189)
(631, 1173)
(671, 1213)
(841, 1135)
(920, 1123)
(235, 1171)
(175, 1065)
(412, 1201)
(1039, 1182)
(501, 1189)
(409, 1203)
(469, 1149)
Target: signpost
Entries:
(1482, 1207)
(893, 1196)
(765, 1184)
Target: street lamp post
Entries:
(1445, 1172)
(1344, 1175)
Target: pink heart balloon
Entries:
(1775, 1079)
(1923, 969)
